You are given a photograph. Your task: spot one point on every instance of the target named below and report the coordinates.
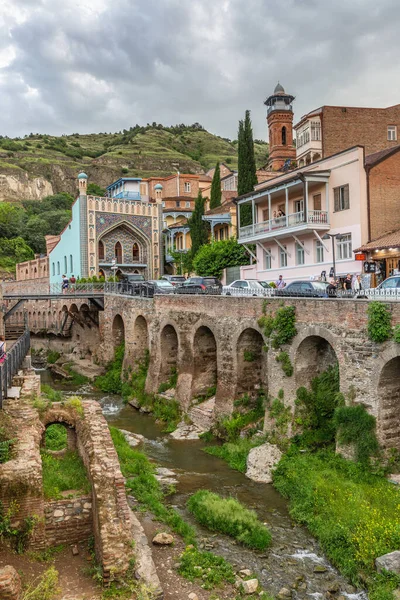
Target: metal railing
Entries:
(314, 217)
(55, 289)
(12, 363)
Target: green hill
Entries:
(139, 151)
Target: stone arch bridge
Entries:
(216, 342)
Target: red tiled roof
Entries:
(389, 240)
(221, 210)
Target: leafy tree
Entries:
(95, 190)
(14, 251)
(211, 259)
(216, 193)
(198, 228)
(11, 220)
(247, 177)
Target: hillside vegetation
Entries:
(138, 151)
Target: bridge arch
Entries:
(140, 338)
(314, 353)
(205, 368)
(169, 346)
(389, 402)
(251, 361)
(118, 331)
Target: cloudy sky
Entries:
(102, 65)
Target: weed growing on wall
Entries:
(6, 438)
(229, 516)
(50, 393)
(286, 364)
(56, 437)
(52, 356)
(18, 534)
(111, 382)
(379, 322)
(357, 427)
(280, 329)
(396, 334)
(171, 383)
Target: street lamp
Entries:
(338, 236)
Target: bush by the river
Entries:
(354, 513)
(229, 516)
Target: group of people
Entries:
(350, 284)
(66, 283)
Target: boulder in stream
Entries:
(186, 432)
(261, 461)
(389, 562)
(133, 439)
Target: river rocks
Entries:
(202, 415)
(186, 432)
(284, 593)
(163, 539)
(261, 461)
(250, 586)
(133, 439)
(389, 562)
(59, 371)
(165, 477)
(245, 573)
(134, 402)
(320, 569)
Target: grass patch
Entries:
(75, 378)
(46, 555)
(52, 356)
(354, 514)
(43, 588)
(171, 383)
(50, 393)
(229, 516)
(111, 382)
(235, 453)
(55, 437)
(211, 569)
(138, 470)
(63, 473)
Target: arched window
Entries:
(71, 263)
(65, 265)
(53, 266)
(118, 252)
(135, 252)
(101, 250)
(58, 267)
(283, 136)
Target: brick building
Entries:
(331, 129)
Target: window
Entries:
(71, 263)
(53, 268)
(265, 214)
(299, 254)
(187, 204)
(187, 186)
(343, 247)
(315, 131)
(101, 250)
(298, 206)
(135, 252)
(118, 252)
(392, 133)
(283, 136)
(341, 197)
(317, 202)
(178, 203)
(65, 265)
(319, 252)
(283, 257)
(58, 267)
(267, 260)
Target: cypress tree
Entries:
(247, 177)
(198, 227)
(216, 194)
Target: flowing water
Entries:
(294, 560)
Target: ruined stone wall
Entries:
(68, 521)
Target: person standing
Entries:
(64, 285)
(331, 289)
(72, 281)
(347, 283)
(357, 285)
(280, 283)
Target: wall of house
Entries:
(344, 127)
(68, 246)
(384, 195)
(33, 269)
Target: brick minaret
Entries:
(280, 128)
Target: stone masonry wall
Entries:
(384, 194)
(68, 521)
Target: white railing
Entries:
(315, 217)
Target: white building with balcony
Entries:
(309, 139)
(293, 212)
(127, 188)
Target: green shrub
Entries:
(138, 470)
(357, 427)
(249, 356)
(281, 414)
(281, 328)
(19, 533)
(212, 259)
(63, 473)
(76, 404)
(235, 453)
(354, 514)
(50, 393)
(56, 437)
(379, 322)
(228, 516)
(284, 359)
(211, 569)
(171, 383)
(52, 356)
(6, 438)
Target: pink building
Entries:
(325, 197)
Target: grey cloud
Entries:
(107, 64)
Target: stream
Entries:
(294, 561)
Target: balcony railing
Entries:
(128, 195)
(314, 217)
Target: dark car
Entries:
(128, 283)
(200, 285)
(174, 279)
(148, 289)
(307, 289)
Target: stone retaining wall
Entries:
(68, 521)
(10, 583)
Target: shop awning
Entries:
(389, 241)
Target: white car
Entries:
(388, 289)
(247, 287)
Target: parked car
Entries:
(390, 288)
(200, 285)
(153, 287)
(128, 283)
(246, 287)
(174, 279)
(306, 289)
